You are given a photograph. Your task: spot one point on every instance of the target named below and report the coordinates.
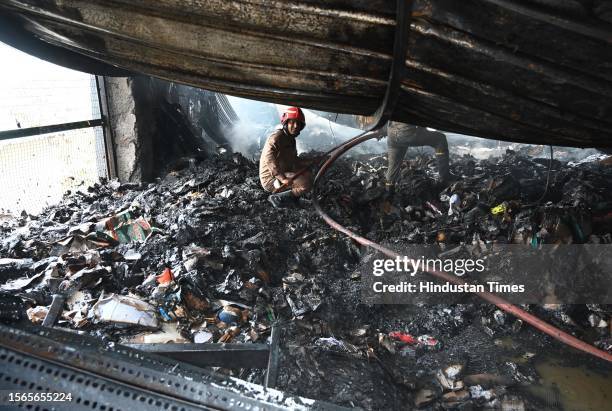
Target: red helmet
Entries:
(294, 113)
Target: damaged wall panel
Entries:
(530, 71)
(208, 114)
(156, 124)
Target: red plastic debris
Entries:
(165, 277)
(403, 337)
(426, 342)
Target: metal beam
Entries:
(35, 131)
(142, 376)
(212, 355)
(57, 305)
(109, 146)
(273, 361)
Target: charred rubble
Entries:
(200, 256)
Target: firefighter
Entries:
(400, 136)
(279, 162)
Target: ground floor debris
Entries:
(184, 261)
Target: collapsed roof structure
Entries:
(533, 71)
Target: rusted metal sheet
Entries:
(112, 376)
(536, 71)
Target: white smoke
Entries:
(259, 119)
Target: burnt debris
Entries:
(200, 257)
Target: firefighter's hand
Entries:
(288, 178)
(380, 133)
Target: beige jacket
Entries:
(279, 156)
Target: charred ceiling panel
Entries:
(180, 121)
(209, 114)
(536, 71)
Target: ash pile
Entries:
(201, 257)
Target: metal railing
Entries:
(52, 132)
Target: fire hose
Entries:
(287, 186)
(489, 297)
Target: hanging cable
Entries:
(550, 163)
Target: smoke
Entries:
(482, 148)
(258, 120)
(247, 138)
(322, 135)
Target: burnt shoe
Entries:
(282, 200)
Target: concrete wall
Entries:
(155, 124)
(130, 106)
